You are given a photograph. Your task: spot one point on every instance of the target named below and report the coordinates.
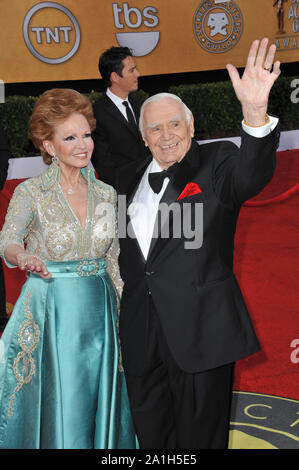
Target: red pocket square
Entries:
(189, 190)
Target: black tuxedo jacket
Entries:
(117, 143)
(5, 155)
(195, 292)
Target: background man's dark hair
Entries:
(112, 61)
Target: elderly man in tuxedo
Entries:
(183, 320)
(117, 138)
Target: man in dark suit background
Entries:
(183, 320)
(5, 155)
(117, 138)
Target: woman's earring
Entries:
(55, 160)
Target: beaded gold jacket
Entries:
(40, 216)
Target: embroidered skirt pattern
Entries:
(61, 381)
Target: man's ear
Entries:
(145, 141)
(114, 77)
(192, 126)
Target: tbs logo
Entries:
(141, 42)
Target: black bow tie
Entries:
(156, 179)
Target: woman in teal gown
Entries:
(62, 384)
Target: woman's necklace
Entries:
(71, 191)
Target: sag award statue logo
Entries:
(217, 25)
(51, 32)
(287, 14)
(279, 4)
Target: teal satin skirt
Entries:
(61, 379)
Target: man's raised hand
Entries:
(253, 88)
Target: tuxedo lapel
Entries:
(186, 171)
(178, 182)
(112, 109)
(135, 108)
(137, 178)
(175, 186)
(130, 193)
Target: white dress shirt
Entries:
(119, 103)
(144, 207)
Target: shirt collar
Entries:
(116, 99)
(154, 166)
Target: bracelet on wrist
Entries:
(267, 120)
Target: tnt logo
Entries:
(129, 17)
(51, 32)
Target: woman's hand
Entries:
(28, 262)
(18, 256)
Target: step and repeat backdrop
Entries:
(52, 41)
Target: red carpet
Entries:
(267, 267)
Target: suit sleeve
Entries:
(241, 173)
(101, 157)
(5, 155)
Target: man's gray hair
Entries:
(160, 97)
